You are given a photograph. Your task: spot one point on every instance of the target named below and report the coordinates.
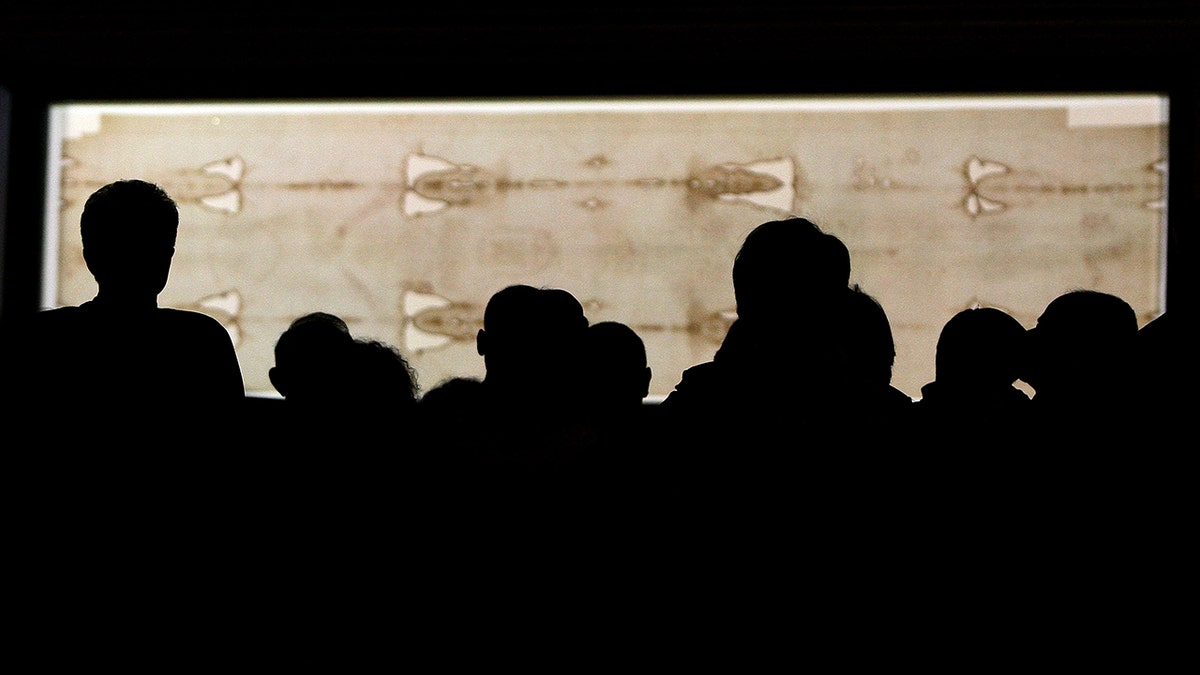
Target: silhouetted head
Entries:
(309, 356)
(867, 336)
(453, 394)
(787, 264)
(379, 376)
(1082, 338)
(128, 230)
(980, 346)
(616, 364)
(531, 338)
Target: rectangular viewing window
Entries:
(404, 217)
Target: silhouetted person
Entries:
(119, 367)
(777, 369)
(1079, 359)
(125, 412)
(973, 400)
(336, 449)
(446, 396)
(381, 378)
(449, 417)
(322, 370)
(309, 359)
(526, 412)
(338, 392)
(530, 343)
(618, 376)
(1084, 420)
(370, 421)
(1092, 502)
(625, 468)
(505, 451)
(761, 426)
(971, 435)
(870, 357)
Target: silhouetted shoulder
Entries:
(158, 358)
(214, 345)
(695, 388)
(45, 321)
(197, 327)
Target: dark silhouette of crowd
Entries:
(789, 453)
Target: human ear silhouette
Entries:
(481, 343)
(279, 380)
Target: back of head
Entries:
(783, 264)
(525, 311)
(1082, 337)
(980, 346)
(128, 229)
(1083, 313)
(867, 336)
(309, 354)
(378, 375)
(616, 363)
(531, 336)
